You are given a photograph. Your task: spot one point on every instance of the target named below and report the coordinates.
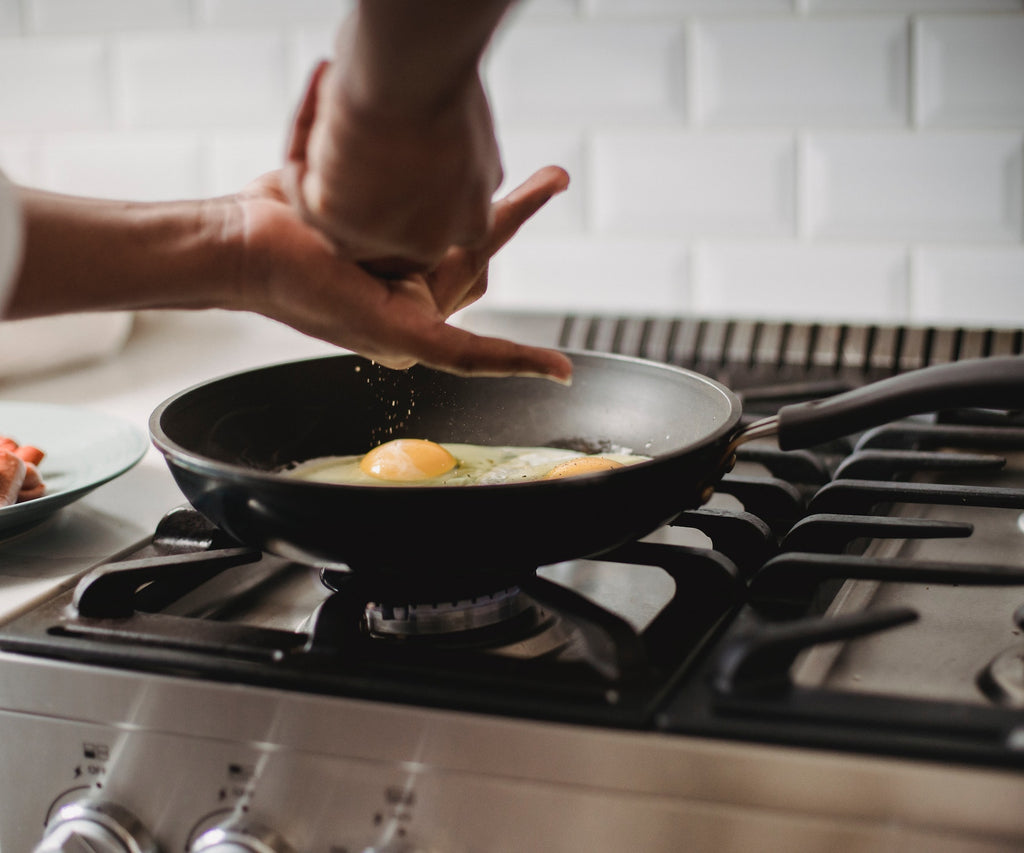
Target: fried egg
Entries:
(413, 461)
(407, 460)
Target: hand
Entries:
(293, 273)
(396, 188)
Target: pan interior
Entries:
(283, 414)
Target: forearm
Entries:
(413, 56)
(392, 153)
(94, 255)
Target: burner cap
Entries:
(446, 617)
(426, 585)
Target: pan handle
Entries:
(996, 383)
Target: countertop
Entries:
(166, 352)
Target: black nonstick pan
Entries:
(227, 440)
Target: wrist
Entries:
(411, 60)
(371, 101)
(221, 255)
(190, 251)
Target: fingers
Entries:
(461, 278)
(478, 289)
(465, 354)
(510, 212)
(304, 116)
(298, 142)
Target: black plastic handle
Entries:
(994, 383)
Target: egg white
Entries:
(477, 465)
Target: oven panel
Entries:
(183, 791)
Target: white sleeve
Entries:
(10, 239)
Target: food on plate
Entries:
(19, 473)
(32, 486)
(12, 475)
(32, 455)
(406, 461)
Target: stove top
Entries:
(865, 597)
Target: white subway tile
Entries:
(90, 16)
(205, 96)
(645, 8)
(694, 185)
(235, 158)
(248, 13)
(801, 282)
(524, 152)
(588, 72)
(897, 6)
(581, 274)
(970, 71)
(10, 17)
(803, 72)
(208, 79)
(137, 167)
(907, 186)
(537, 10)
(53, 84)
(968, 286)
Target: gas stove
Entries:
(828, 655)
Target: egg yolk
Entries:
(407, 460)
(581, 465)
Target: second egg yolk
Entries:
(407, 460)
(581, 465)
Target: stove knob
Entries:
(237, 837)
(95, 827)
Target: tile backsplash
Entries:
(806, 159)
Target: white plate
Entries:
(84, 449)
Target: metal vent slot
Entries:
(747, 353)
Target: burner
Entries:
(447, 617)
(507, 622)
(427, 588)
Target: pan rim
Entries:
(193, 462)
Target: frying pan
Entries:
(227, 440)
